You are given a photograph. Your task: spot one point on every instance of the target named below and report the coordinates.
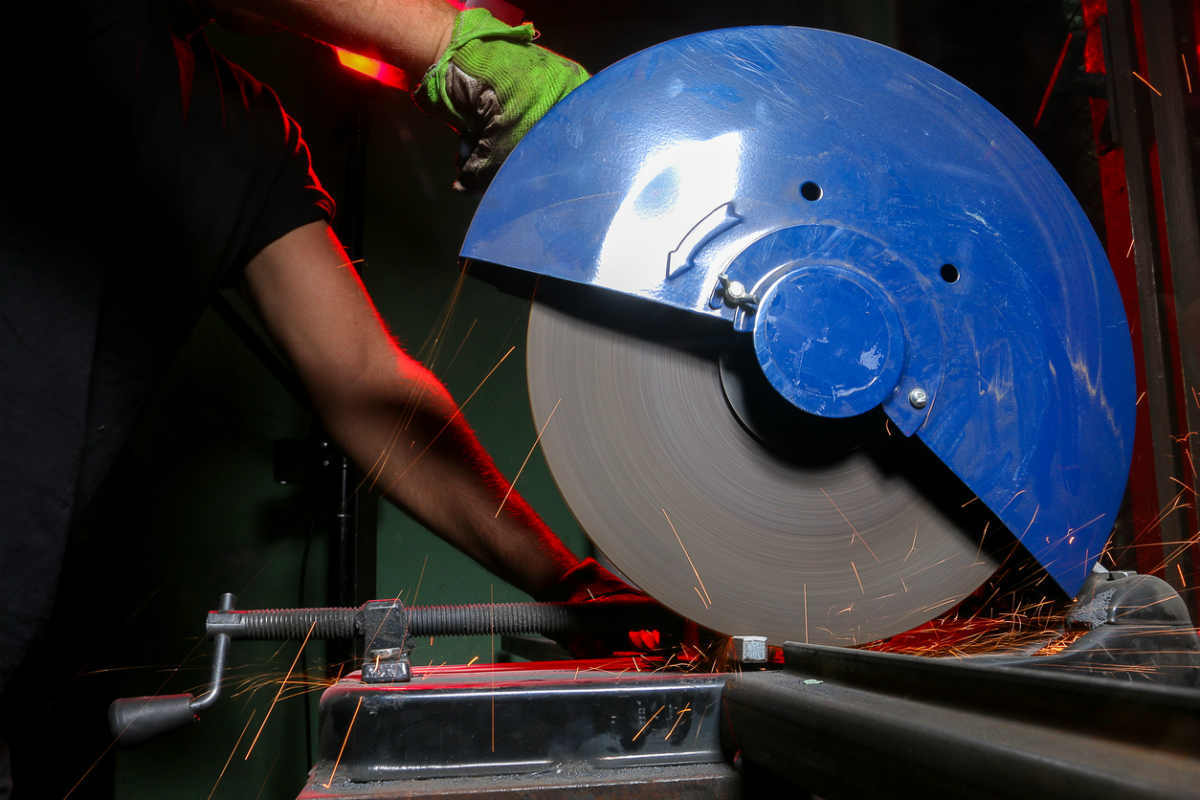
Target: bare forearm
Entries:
(391, 415)
(416, 448)
(410, 34)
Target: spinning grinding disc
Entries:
(810, 529)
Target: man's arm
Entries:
(392, 416)
(409, 34)
(485, 78)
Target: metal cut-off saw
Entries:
(826, 296)
(818, 338)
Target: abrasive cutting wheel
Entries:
(812, 299)
(829, 531)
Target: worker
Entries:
(144, 171)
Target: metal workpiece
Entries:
(950, 727)
(747, 651)
(520, 718)
(676, 782)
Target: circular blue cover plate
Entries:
(829, 341)
(652, 177)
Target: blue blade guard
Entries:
(897, 241)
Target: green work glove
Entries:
(492, 84)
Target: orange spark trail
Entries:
(1181, 578)
(1174, 505)
(1062, 54)
(282, 684)
(428, 351)
(1187, 73)
(113, 743)
(457, 413)
(1091, 521)
(805, 613)
(245, 728)
(1127, 254)
(342, 749)
(703, 602)
(914, 542)
(420, 578)
(1032, 519)
(1181, 483)
(678, 718)
(857, 578)
(695, 571)
(647, 725)
(466, 336)
(528, 455)
(1151, 86)
(853, 530)
(982, 536)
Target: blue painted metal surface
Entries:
(779, 155)
(829, 340)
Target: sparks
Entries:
(528, 455)
(805, 587)
(647, 725)
(420, 578)
(342, 749)
(457, 413)
(853, 531)
(678, 718)
(691, 563)
(1187, 73)
(857, 578)
(466, 336)
(982, 536)
(245, 728)
(1062, 55)
(1151, 86)
(282, 684)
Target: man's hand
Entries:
(491, 83)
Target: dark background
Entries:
(192, 510)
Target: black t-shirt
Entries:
(143, 171)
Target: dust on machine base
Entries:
(827, 341)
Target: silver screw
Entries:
(735, 293)
(917, 398)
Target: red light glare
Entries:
(372, 68)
